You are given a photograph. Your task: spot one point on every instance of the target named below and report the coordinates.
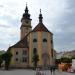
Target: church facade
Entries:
(39, 39)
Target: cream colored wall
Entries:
(19, 56)
(13, 53)
(44, 44)
(40, 47)
(31, 47)
(30, 36)
(49, 43)
(50, 46)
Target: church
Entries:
(39, 39)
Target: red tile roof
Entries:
(40, 27)
(21, 44)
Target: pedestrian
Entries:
(52, 69)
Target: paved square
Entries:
(31, 72)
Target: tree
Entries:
(73, 57)
(35, 58)
(7, 58)
(57, 61)
(1, 60)
(66, 60)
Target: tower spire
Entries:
(26, 14)
(26, 3)
(40, 11)
(40, 17)
(26, 9)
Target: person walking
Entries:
(52, 69)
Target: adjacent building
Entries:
(69, 54)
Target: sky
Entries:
(58, 17)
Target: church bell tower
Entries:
(26, 23)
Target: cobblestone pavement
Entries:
(31, 72)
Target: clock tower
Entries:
(26, 23)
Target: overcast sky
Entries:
(58, 17)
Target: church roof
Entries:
(40, 27)
(21, 44)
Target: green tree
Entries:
(7, 58)
(73, 57)
(66, 60)
(57, 61)
(35, 60)
(1, 60)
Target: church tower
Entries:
(26, 23)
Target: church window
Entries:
(35, 51)
(34, 40)
(44, 40)
(16, 59)
(16, 53)
(24, 52)
(24, 59)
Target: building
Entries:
(40, 39)
(69, 54)
(59, 55)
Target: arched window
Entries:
(34, 40)
(16, 59)
(44, 40)
(16, 53)
(35, 51)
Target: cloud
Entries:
(64, 39)
(8, 36)
(5, 26)
(1, 6)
